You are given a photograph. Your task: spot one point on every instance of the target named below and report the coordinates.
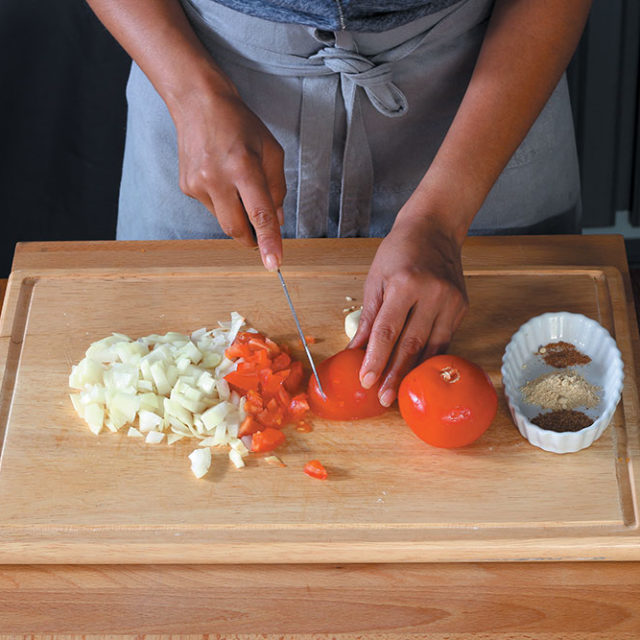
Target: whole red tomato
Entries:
(346, 399)
(447, 401)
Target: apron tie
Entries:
(356, 185)
(323, 73)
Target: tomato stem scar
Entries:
(449, 374)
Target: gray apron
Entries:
(360, 117)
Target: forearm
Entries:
(228, 160)
(159, 37)
(527, 47)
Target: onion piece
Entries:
(239, 446)
(154, 437)
(200, 461)
(236, 458)
(162, 385)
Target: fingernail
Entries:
(368, 379)
(387, 398)
(270, 262)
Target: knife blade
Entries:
(301, 333)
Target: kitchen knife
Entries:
(301, 333)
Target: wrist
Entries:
(201, 88)
(444, 200)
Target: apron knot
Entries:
(374, 78)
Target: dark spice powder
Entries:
(563, 420)
(562, 354)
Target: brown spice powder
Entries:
(563, 420)
(562, 354)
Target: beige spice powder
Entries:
(561, 390)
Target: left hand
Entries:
(414, 300)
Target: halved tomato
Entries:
(346, 398)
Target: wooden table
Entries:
(456, 601)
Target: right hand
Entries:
(231, 163)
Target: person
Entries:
(418, 121)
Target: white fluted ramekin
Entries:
(520, 364)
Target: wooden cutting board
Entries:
(68, 496)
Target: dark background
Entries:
(62, 119)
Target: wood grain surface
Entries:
(496, 601)
(385, 601)
(75, 498)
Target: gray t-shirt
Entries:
(336, 15)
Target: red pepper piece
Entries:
(315, 469)
(267, 440)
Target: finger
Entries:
(442, 331)
(385, 332)
(262, 215)
(232, 218)
(407, 352)
(372, 299)
(203, 198)
(460, 315)
(273, 167)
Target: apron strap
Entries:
(356, 187)
(320, 72)
(317, 114)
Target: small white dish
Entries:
(520, 364)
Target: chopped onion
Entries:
(153, 437)
(94, 415)
(200, 461)
(236, 458)
(275, 461)
(162, 385)
(212, 417)
(239, 446)
(149, 421)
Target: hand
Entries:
(231, 163)
(414, 300)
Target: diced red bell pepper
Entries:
(293, 382)
(245, 336)
(257, 343)
(242, 382)
(267, 377)
(274, 348)
(253, 402)
(298, 406)
(283, 398)
(267, 440)
(281, 361)
(237, 350)
(272, 382)
(249, 426)
(315, 469)
(272, 416)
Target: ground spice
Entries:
(562, 354)
(563, 420)
(561, 390)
